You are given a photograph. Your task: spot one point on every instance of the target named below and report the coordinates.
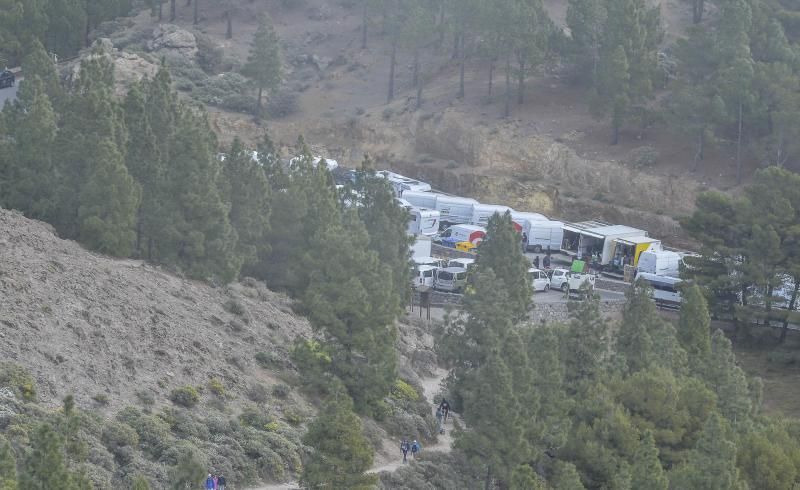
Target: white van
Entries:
(540, 281)
(461, 233)
(520, 219)
(454, 210)
(571, 281)
(432, 261)
(482, 212)
(422, 277)
(660, 263)
(462, 263)
(543, 235)
(419, 199)
(450, 279)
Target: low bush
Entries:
(258, 393)
(216, 387)
(210, 56)
(19, 380)
(281, 391)
(643, 156)
(283, 103)
(185, 396)
(216, 89)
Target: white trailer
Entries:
(423, 221)
(401, 183)
(482, 212)
(420, 199)
(660, 263)
(454, 210)
(543, 235)
(520, 218)
(608, 234)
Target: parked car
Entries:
(539, 280)
(450, 279)
(570, 281)
(422, 277)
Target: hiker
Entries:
(536, 261)
(216, 483)
(415, 449)
(221, 482)
(439, 415)
(209, 482)
(405, 447)
(445, 408)
(524, 242)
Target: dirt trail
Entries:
(430, 388)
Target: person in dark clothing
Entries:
(221, 482)
(445, 408)
(210, 482)
(546, 261)
(536, 262)
(415, 449)
(405, 447)
(524, 242)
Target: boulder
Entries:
(128, 67)
(169, 37)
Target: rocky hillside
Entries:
(105, 329)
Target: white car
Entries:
(539, 280)
(570, 281)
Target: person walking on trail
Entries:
(216, 484)
(210, 482)
(439, 415)
(405, 447)
(415, 449)
(445, 408)
(546, 261)
(536, 262)
(524, 242)
(221, 482)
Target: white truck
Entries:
(543, 235)
(482, 212)
(401, 183)
(571, 281)
(421, 221)
(520, 219)
(454, 210)
(660, 263)
(421, 199)
(461, 233)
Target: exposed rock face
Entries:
(128, 67)
(169, 37)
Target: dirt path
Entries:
(430, 387)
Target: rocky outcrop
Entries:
(169, 37)
(128, 67)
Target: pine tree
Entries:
(144, 163)
(525, 478)
(341, 453)
(694, 327)
(728, 381)
(40, 75)
(8, 466)
(633, 339)
(140, 483)
(585, 342)
(189, 470)
(108, 202)
(585, 19)
(501, 252)
(566, 477)
(646, 469)
(30, 179)
(247, 192)
(44, 466)
(264, 65)
(712, 464)
(350, 303)
(553, 406)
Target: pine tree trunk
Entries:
(792, 303)
(229, 31)
(86, 33)
(416, 68)
(172, 10)
(160, 10)
(739, 147)
(258, 103)
(456, 44)
(463, 63)
(615, 128)
(196, 14)
(491, 77)
(419, 95)
(441, 23)
(392, 59)
(507, 112)
(188, 3)
(487, 484)
(364, 24)
(521, 81)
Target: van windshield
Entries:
(445, 276)
(428, 273)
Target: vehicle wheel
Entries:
(565, 287)
(546, 288)
(537, 249)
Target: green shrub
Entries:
(145, 397)
(216, 387)
(19, 380)
(281, 391)
(272, 426)
(186, 396)
(258, 393)
(215, 89)
(293, 417)
(403, 391)
(101, 399)
(116, 435)
(265, 360)
(255, 417)
(643, 156)
(282, 103)
(209, 55)
(234, 307)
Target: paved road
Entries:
(8, 94)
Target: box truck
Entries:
(543, 235)
(482, 212)
(461, 233)
(660, 263)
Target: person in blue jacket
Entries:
(210, 482)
